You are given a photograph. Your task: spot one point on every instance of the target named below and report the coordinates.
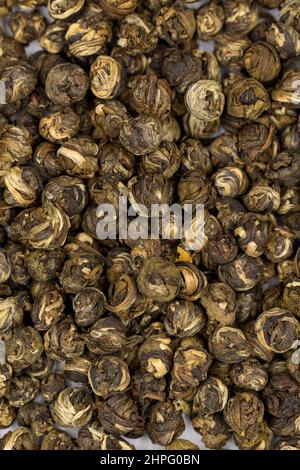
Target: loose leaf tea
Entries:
(122, 114)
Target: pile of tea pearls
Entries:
(123, 337)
